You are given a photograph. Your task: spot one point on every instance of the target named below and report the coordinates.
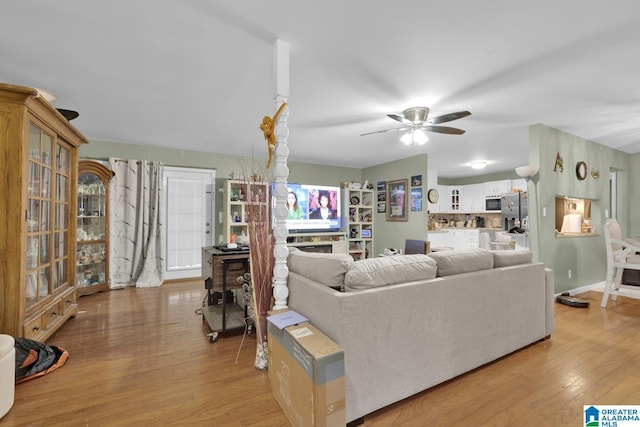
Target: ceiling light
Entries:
(417, 137)
(478, 165)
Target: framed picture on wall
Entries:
(416, 199)
(397, 194)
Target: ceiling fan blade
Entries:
(399, 118)
(449, 117)
(443, 129)
(385, 130)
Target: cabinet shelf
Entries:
(359, 217)
(236, 193)
(92, 245)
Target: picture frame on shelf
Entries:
(365, 233)
(397, 195)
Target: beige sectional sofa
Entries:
(410, 322)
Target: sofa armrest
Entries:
(550, 288)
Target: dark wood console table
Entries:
(220, 270)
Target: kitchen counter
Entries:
(446, 229)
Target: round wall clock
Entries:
(433, 196)
(581, 170)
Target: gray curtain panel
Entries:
(136, 214)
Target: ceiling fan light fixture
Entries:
(416, 115)
(406, 138)
(419, 137)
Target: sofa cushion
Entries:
(389, 270)
(328, 269)
(462, 261)
(507, 258)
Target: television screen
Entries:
(311, 208)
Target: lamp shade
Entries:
(527, 171)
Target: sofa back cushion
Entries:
(382, 271)
(462, 261)
(328, 269)
(508, 258)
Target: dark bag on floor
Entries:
(34, 359)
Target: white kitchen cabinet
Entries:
(440, 239)
(472, 198)
(496, 188)
(455, 196)
(519, 184)
(465, 238)
(455, 238)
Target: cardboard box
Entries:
(306, 371)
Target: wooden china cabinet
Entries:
(38, 182)
(92, 250)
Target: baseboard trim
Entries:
(598, 286)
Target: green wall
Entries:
(392, 234)
(224, 165)
(584, 256)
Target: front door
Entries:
(188, 224)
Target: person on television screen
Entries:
(294, 211)
(324, 210)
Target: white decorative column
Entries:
(281, 175)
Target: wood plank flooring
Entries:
(140, 357)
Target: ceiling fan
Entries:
(415, 120)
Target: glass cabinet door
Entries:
(47, 216)
(92, 235)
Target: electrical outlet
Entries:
(569, 273)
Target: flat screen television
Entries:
(311, 208)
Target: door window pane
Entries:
(44, 249)
(62, 220)
(47, 143)
(34, 179)
(43, 282)
(63, 159)
(34, 142)
(32, 289)
(46, 182)
(33, 215)
(32, 252)
(59, 244)
(45, 219)
(62, 188)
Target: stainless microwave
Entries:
(492, 204)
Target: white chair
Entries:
(7, 373)
(621, 254)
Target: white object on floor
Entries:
(7, 373)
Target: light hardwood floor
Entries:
(140, 357)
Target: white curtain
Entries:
(137, 237)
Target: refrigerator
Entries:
(514, 211)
